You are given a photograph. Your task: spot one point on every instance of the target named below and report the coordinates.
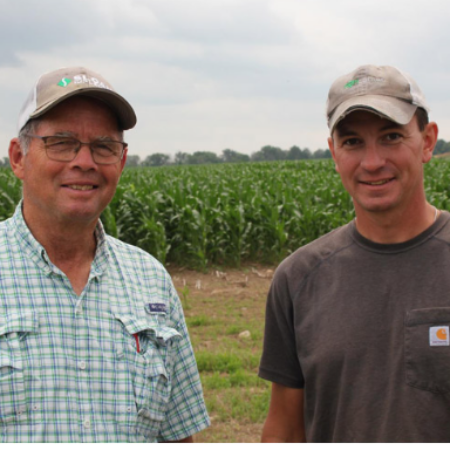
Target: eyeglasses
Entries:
(65, 149)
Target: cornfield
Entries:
(229, 213)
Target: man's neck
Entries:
(396, 226)
(70, 246)
(63, 249)
(63, 241)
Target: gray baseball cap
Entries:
(384, 90)
(54, 87)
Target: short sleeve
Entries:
(279, 362)
(186, 412)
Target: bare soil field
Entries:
(224, 311)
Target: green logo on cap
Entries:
(351, 84)
(65, 82)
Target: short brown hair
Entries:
(422, 118)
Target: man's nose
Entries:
(84, 158)
(373, 157)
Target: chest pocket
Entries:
(13, 329)
(427, 365)
(151, 367)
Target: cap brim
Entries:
(398, 111)
(124, 111)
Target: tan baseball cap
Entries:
(54, 87)
(384, 90)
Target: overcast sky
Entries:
(216, 74)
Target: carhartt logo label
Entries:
(439, 336)
(65, 82)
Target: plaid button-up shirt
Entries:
(114, 364)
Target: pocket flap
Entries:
(6, 360)
(19, 322)
(159, 334)
(424, 316)
(156, 368)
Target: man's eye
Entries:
(351, 142)
(103, 145)
(393, 137)
(57, 142)
(106, 148)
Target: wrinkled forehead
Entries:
(76, 109)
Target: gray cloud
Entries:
(218, 73)
(44, 25)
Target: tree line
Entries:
(441, 147)
(267, 153)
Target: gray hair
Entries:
(29, 128)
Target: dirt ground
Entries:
(248, 282)
(211, 293)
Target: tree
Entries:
(307, 154)
(156, 159)
(4, 162)
(440, 147)
(294, 153)
(269, 153)
(203, 158)
(231, 156)
(133, 160)
(322, 154)
(181, 158)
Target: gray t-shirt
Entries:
(364, 329)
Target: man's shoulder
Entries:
(6, 227)
(130, 254)
(443, 233)
(6, 223)
(309, 257)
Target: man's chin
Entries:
(80, 216)
(375, 207)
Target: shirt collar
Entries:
(35, 251)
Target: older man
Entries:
(357, 329)
(93, 343)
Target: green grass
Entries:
(236, 398)
(199, 321)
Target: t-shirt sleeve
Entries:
(186, 412)
(279, 361)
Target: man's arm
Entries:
(284, 422)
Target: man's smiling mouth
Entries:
(377, 183)
(81, 187)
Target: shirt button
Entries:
(82, 365)
(87, 423)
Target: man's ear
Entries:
(16, 157)
(331, 147)
(430, 136)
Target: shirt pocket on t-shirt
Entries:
(13, 395)
(427, 349)
(152, 367)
